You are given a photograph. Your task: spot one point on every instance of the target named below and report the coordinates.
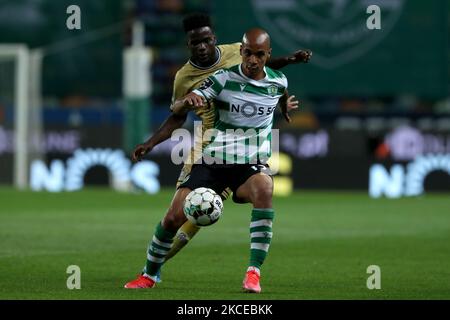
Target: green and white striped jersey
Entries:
(243, 116)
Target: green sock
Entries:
(261, 235)
(158, 249)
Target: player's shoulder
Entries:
(183, 72)
(230, 54)
(223, 72)
(232, 70)
(276, 76)
(230, 47)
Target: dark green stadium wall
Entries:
(81, 62)
(409, 55)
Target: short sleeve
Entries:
(213, 85)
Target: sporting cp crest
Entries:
(272, 90)
(335, 30)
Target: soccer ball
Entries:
(203, 207)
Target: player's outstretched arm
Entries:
(287, 103)
(299, 56)
(188, 102)
(164, 132)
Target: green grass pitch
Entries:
(323, 243)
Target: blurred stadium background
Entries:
(368, 96)
(374, 116)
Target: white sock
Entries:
(149, 276)
(254, 269)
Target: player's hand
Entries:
(139, 152)
(291, 104)
(193, 100)
(300, 56)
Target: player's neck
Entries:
(205, 65)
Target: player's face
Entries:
(202, 44)
(254, 58)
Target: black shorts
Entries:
(220, 177)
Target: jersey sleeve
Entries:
(285, 83)
(213, 85)
(282, 85)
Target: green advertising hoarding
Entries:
(408, 55)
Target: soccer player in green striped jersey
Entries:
(204, 61)
(245, 96)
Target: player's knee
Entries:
(172, 221)
(262, 197)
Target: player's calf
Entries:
(184, 235)
(175, 217)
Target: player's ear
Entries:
(240, 49)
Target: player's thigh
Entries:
(207, 177)
(258, 189)
(175, 217)
(184, 174)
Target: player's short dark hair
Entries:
(195, 21)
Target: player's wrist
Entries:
(148, 146)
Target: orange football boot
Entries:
(251, 281)
(141, 282)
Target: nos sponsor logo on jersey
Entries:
(249, 110)
(335, 30)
